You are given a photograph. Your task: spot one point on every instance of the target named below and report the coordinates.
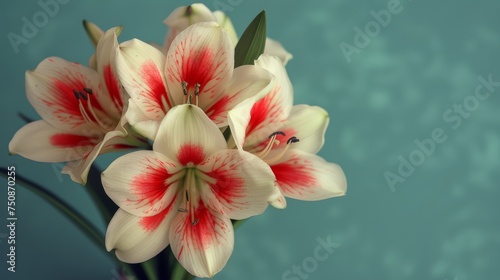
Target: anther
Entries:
(187, 196)
(197, 89)
(184, 88)
(292, 140)
(88, 90)
(183, 210)
(195, 222)
(77, 94)
(277, 133)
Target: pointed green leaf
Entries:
(252, 42)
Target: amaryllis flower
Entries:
(198, 69)
(81, 110)
(182, 17)
(287, 138)
(183, 193)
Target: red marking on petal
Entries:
(265, 111)
(203, 234)
(112, 86)
(152, 76)
(219, 108)
(294, 175)
(198, 67)
(228, 185)
(150, 185)
(151, 223)
(191, 154)
(70, 140)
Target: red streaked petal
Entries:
(138, 182)
(193, 154)
(203, 248)
(242, 183)
(49, 89)
(105, 55)
(308, 177)
(269, 113)
(201, 54)
(187, 127)
(39, 141)
(138, 239)
(140, 69)
(248, 81)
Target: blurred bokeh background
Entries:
(385, 89)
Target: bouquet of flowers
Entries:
(211, 133)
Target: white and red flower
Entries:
(198, 69)
(184, 194)
(287, 138)
(81, 110)
(183, 17)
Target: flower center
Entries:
(191, 185)
(188, 97)
(264, 154)
(87, 111)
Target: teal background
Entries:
(440, 223)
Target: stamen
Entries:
(185, 91)
(272, 142)
(77, 94)
(277, 133)
(195, 222)
(289, 142)
(182, 210)
(196, 92)
(292, 140)
(88, 90)
(187, 196)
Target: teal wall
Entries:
(394, 89)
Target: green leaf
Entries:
(252, 42)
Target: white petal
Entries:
(274, 48)
(204, 248)
(225, 22)
(248, 81)
(188, 135)
(279, 203)
(138, 182)
(140, 69)
(202, 54)
(106, 67)
(269, 113)
(308, 177)
(39, 141)
(113, 141)
(238, 119)
(138, 239)
(140, 122)
(308, 123)
(242, 183)
(182, 17)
